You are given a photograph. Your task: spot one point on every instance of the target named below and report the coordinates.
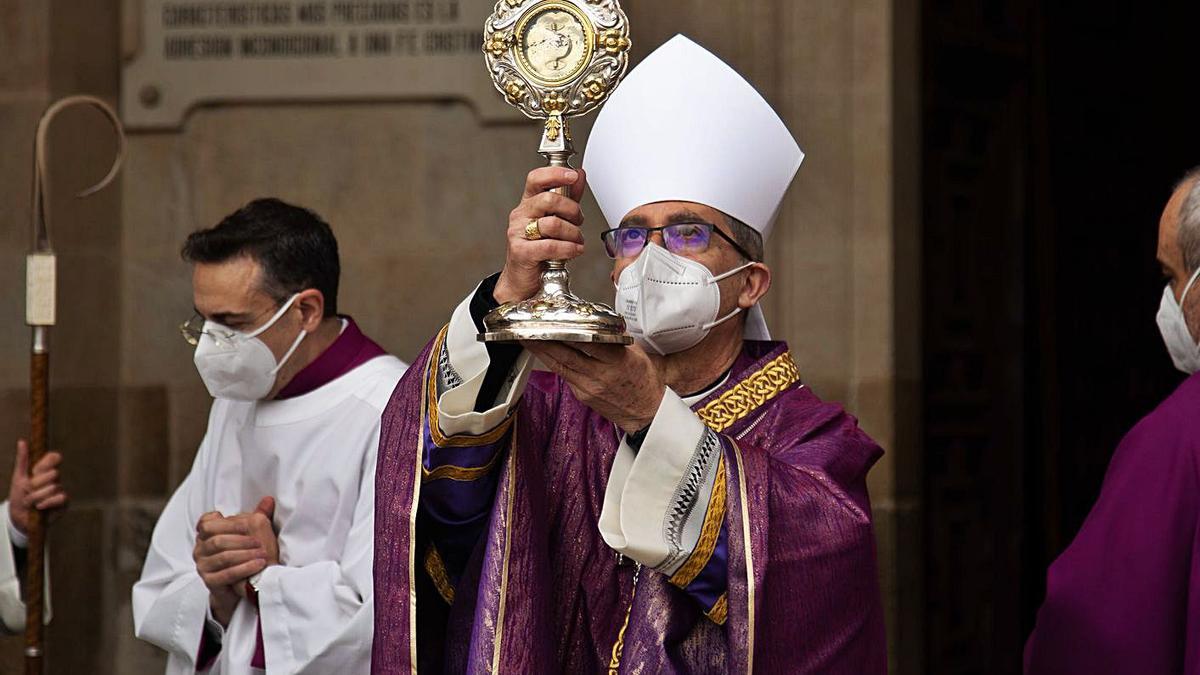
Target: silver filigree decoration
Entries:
(589, 88)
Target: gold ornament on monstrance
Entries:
(553, 60)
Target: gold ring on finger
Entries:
(532, 231)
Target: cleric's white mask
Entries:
(1173, 326)
(239, 366)
(670, 303)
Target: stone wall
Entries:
(413, 190)
(54, 49)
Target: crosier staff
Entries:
(40, 315)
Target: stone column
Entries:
(845, 256)
(24, 92)
(55, 49)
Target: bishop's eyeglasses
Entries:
(678, 238)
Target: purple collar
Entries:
(350, 350)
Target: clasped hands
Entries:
(231, 549)
(619, 382)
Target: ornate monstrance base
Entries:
(555, 314)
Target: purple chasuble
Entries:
(1125, 595)
(542, 593)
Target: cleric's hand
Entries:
(262, 528)
(558, 217)
(230, 550)
(41, 491)
(619, 382)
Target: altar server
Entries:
(262, 558)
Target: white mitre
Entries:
(684, 126)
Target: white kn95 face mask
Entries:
(239, 366)
(1172, 323)
(669, 302)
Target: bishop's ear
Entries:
(755, 286)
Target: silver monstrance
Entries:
(556, 59)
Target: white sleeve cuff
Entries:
(15, 536)
(213, 626)
(468, 356)
(653, 505)
(12, 607)
(12, 610)
(461, 374)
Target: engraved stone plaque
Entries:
(186, 53)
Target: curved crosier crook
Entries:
(40, 283)
(41, 211)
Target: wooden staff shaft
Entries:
(39, 381)
(39, 314)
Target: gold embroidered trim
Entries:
(751, 393)
(714, 517)
(749, 553)
(418, 465)
(462, 441)
(459, 473)
(435, 567)
(719, 610)
(510, 496)
(614, 664)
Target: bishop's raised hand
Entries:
(558, 218)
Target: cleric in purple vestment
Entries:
(684, 504)
(1125, 595)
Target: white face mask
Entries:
(1173, 326)
(237, 365)
(670, 303)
